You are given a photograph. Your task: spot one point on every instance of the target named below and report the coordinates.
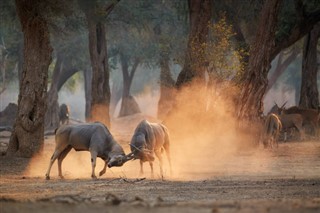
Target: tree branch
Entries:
(65, 75)
(110, 7)
(134, 68)
(304, 26)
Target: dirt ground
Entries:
(204, 179)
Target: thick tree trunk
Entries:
(28, 135)
(129, 105)
(250, 101)
(309, 94)
(52, 114)
(200, 15)
(100, 91)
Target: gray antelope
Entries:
(92, 137)
(150, 139)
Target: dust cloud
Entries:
(205, 141)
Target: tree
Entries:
(100, 89)
(11, 44)
(133, 46)
(167, 84)
(129, 105)
(303, 17)
(309, 95)
(52, 113)
(165, 31)
(28, 135)
(255, 84)
(294, 24)
(200, 16)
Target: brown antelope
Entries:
(289, 121)
(271, 130)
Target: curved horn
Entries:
(283, 105)
(129, 156)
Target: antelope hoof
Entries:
(47, 177)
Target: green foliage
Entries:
(11, 40)
(145, 30)
(218, 53)
(290, 15)
(287, 20)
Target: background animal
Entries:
(93, 137)
(292, 121)
(147, 140)
(64, 114)
(272, 127)
(310, 117)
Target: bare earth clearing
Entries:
(282, 180)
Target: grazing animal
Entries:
(309, 116)
(289, 121)
(92, 137)
(150, 139)
(64, 114)
(292, 121)
(272, 127)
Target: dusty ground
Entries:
(206, 180)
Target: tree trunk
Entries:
(200, 16)
(116, 94)
(250, 101)
(28, 135)
(167, 84)
(100, 89)
(87, 89)
(167, 89)
(129, 105)
(52, 114)
(309, 94)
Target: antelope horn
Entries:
(129, 156)
(283, 105)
